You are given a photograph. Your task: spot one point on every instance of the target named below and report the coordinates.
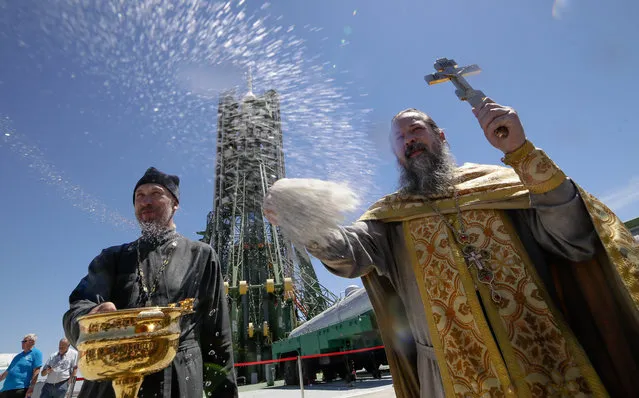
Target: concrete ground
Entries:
(363, 388)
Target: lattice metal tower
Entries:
(271, 285)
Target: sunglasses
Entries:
(25, 341)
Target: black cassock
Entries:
(192, 271)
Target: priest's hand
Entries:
(104, 307)
(491, 116)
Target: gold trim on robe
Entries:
(522, 346)
(533, 353)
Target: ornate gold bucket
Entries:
(123, 346)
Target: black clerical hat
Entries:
(155, 176)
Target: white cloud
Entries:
(559, 7)
(623, 196)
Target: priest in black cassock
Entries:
(159, 268)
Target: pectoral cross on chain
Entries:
(476, 257)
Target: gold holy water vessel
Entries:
(125, 345)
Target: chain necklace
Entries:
(473, 255)
(145, 293)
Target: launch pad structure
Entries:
(271, 284)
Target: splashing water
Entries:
(309, 210)
(171, 59)
(50, 175)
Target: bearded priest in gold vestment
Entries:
(490, 281)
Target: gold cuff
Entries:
(536, 170)
(548, 185)
(516, 156)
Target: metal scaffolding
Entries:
(271, 285)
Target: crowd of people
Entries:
(485, 280)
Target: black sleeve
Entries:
(215, 334)
(561, 224)
(95, 287)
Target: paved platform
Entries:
(363, 388)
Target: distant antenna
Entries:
(249, 77)
(250, 81)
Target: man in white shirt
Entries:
(60, 368)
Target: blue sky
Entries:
(91, 95)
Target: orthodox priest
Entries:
(489, 281)
(159, 268)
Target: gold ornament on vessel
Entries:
(125, 345)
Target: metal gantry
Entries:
(272, 286)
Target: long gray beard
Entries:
(428, 174)
(152, 232)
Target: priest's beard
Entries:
(428, 173)
(157, 228)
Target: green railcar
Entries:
(348, 325)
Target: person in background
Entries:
(22, 374)
(59, 369)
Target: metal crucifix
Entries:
(447, 70)
(476, 257)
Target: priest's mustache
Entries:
(414, 147)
